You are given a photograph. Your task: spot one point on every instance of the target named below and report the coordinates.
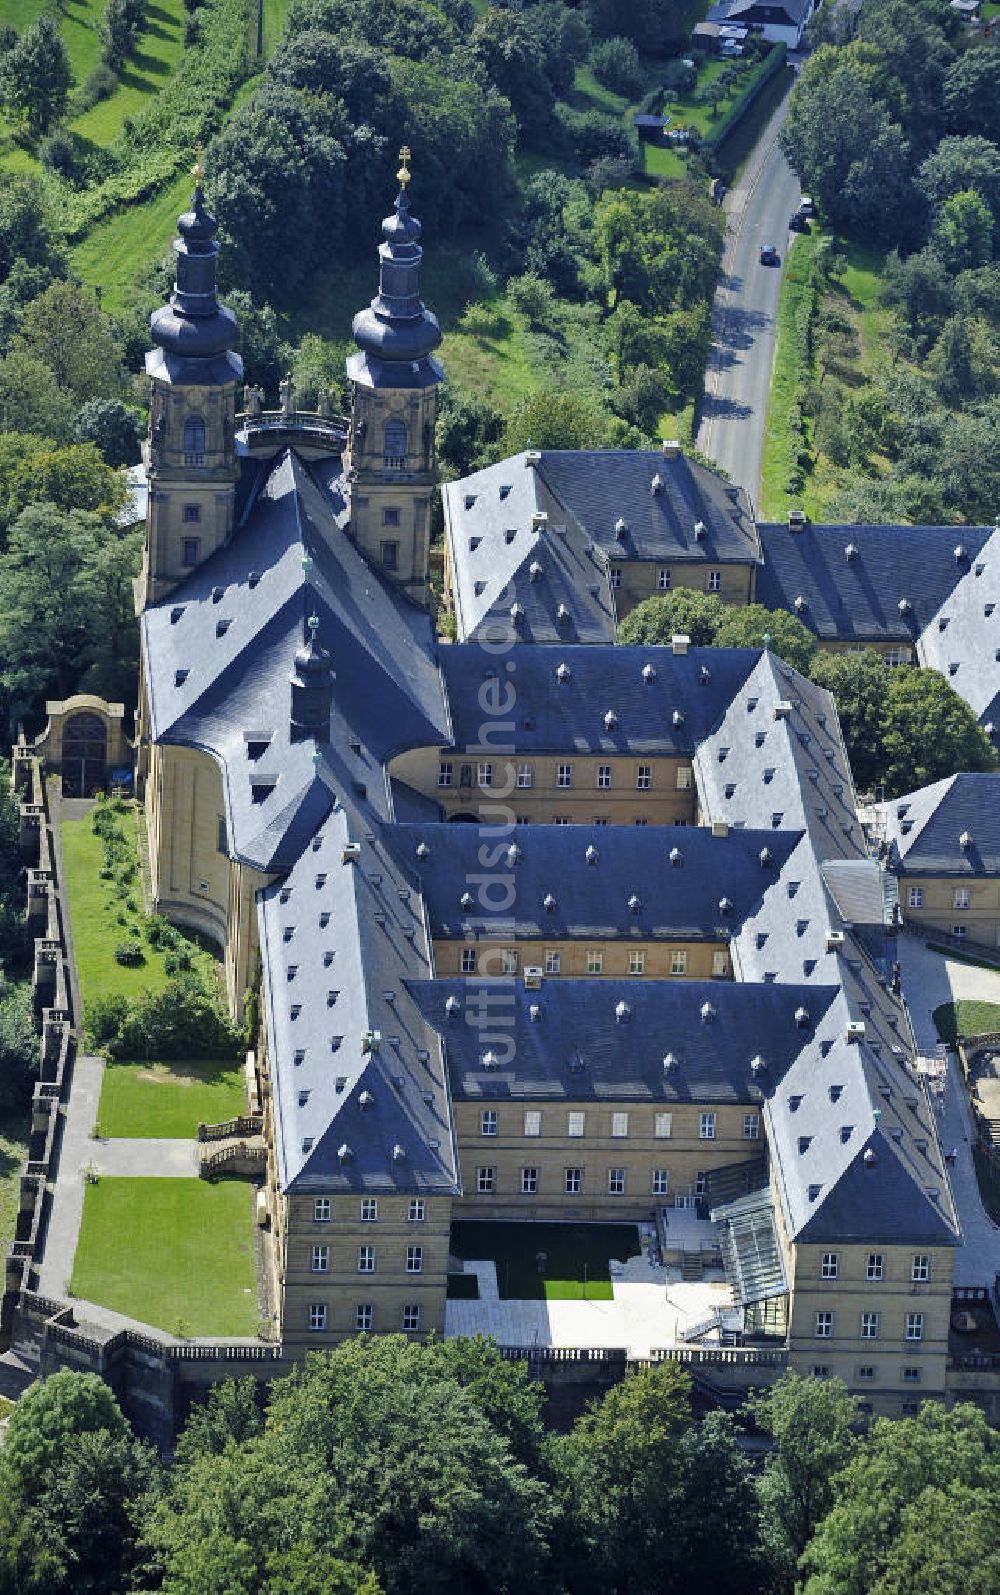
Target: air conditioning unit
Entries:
(834, 939)
(855, 1030)
(534, 974)
(351, 853)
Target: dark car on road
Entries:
(769, 255)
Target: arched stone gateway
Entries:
(84, 755)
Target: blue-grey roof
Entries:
(621, 882)
(516, 576)
(664, 702)
(857, 595)
(360, 1097)
(963, 638)
(219, 652)
(579, 1039)
(949, 828)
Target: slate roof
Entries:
(857, 596)
(926, 828)
(664, 702)
(625, 882)
(963, 638)
(576, 1040)
(219, 652)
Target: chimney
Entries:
(670, 449)
(679, 643)
(720, 827)
(797, 520)
(540, 521)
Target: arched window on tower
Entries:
(194, 440)
(395, 446)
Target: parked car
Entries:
(797, 222)
(769, 255)
(806, 206)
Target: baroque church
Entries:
(654, 978)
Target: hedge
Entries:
(759, 78)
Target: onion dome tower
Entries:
(390, 460)
(194, 372)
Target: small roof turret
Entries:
(196, 334)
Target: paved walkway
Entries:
(136, 1158)
(650, 1307)
(928, 980)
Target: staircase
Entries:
(692, 1267)
(245, 1155)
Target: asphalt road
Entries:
(738, 374)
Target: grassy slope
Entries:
(577, 1257)
(786, 379)
(93, 907)
(175, 1253)
(145, 73)
(168, 1100)
(118, 251)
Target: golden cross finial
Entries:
(403, 175)
(198, 169)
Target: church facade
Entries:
(637, 984)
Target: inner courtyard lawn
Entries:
(967, 1017)
(94, 907)
(178, 1254)
(169, 1099)
(577, 1255)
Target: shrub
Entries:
(160, 933)
(177, 961)
(104, 1017)
(587, 135)
(58, 154)
(130, 954)
(18, 1046)
(100, 85)
(106, 874)
(182, 1021)
(615, 63)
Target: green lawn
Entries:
(965, 1018)
(146, 72)
(118, 251)
(577, 1257)
(13, 1151)
(178, 1254)
(94, 907)
(787, 379)
(169, 1099)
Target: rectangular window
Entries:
(874, 1266)
(532, 1121)
(192, 514)
(619, 1125)
(414, 1259)
(508, 961)
(616, 1182)
(573, 1181)
(911, 1376)
(417, 1210)
(615, 576)
(189, 551)
(914, 1326)
(468, 960)
(751, 1126)
(445, 772)
(363, 1315)
(390, 555)
(525, 775)
(484, 773)
(643, 777)
(636, 961)
(564, 775)
(830, 1265)
(529, 1182)
(916, 897)
(959, 930)
(869, 1326)
(678, 961)
(961, 897)
(317, 1316)
(713, 581)
(663, 580)
(604, 776)
(366, 1259)
(824, 1326)
(661, 1182)
(921, 1270)
(866, 1371)
(561, 819)
(664, 1126)
(576, 1123)
(706, 1126)
(553, 962)
(683, 778)
(390, 517)
(319, 1260)
(720, 963)
(488, 1121)
(821, 1370)
(701, 1184)
(321, 1210)
(221, 835)
(595, 962)
(486, 1181)
(369, 1209)
(411, 1316)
